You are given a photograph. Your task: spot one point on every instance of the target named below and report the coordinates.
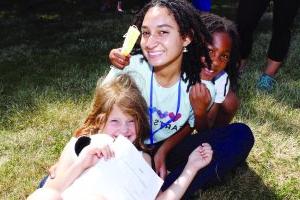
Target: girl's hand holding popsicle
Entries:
(120, 57)
(117, 59)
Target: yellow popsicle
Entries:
(130, 39)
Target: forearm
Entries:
(206, 120)
(45, 194)
(65, 178)
(199, 158)
(178, 188)
(56, 186)
(211, 115)
(201, 122)
(175, 139)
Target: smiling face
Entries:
(161, 41)
(219, 53)
(120, 123)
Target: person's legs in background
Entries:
(248, 15)
(120, 6)
(105, 5)
(112, 5)
(284, 13)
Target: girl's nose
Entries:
(151, 42)
(215, 61)
(124, 129)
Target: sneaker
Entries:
(119, 7)
(266, 83)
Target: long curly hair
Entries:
(215, 23)
(190, 24)
(123, 92)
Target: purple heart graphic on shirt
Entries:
(173, 117)
(161, 115)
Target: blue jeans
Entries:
(231, 145)
(43, 181)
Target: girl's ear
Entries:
(187, 40)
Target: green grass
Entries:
(49, 66)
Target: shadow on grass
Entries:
(245, 184)
(53, 57)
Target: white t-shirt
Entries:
(222, 85)
(164, 101)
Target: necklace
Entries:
(151, 110)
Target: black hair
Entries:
(215, 23)
(190, 24)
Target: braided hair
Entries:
(190, 24)
(215, 23)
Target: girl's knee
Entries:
(243, 133)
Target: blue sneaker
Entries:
(266, 83)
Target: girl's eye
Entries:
(131, 122)
(162, 33)
(114, 121)
(210, 52)
(225, 58)
(145, 34)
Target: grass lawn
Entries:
(49, 65)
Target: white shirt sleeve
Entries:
(222, 85)
(211, 88)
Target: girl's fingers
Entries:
(51, 171)
(111, 152)
(205, 91)
(205, 149)
(97, 152)
(205, 144)
(200, 90)
(107, 152)
(51, 174)
(192, 92)
(104, 153)
(196, 91)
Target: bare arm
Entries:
(200, 99)
(165, 148)
(177, 189)
(198, 159)
(66, 159)
(212, 115)
(64, 178)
